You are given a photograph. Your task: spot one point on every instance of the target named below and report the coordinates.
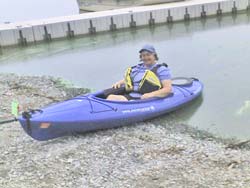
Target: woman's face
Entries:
(148, 58)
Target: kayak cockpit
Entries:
(177, 82)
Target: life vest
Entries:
(149, 82)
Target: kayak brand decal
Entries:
(45, 125)
(145, 109)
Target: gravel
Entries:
(157, 153)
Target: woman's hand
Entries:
(118, 84)
(147, 96)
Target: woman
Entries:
(146, 80)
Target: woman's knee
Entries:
(117, 98)
(111, 97)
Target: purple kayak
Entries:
(91, 112)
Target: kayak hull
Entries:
(90, 112)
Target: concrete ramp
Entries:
(95, 6)
(151, 2)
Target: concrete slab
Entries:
(87, 6)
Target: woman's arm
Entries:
(163, 92)
(118, 84)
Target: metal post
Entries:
(46, 36)
(92, 29)
(132, 23)
(70, 33)
(186, 15)
(22, 40)
(234, 9)
(112, 25)
(219, 11)
(203, 13)
(151, 21)
(169, 18)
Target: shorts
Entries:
(119, 91)
(127, 96)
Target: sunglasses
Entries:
(146, 54)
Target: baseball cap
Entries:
(148, 48)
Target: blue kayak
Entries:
(91, 112)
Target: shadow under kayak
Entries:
(91, 112)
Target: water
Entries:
(216, 52)
(23, 10)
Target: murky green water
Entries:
(22, 10)
(216, 52)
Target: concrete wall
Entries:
(90, 23)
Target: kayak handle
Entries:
(28, 114)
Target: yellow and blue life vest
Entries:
(148, 83)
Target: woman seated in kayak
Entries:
(146, 80)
